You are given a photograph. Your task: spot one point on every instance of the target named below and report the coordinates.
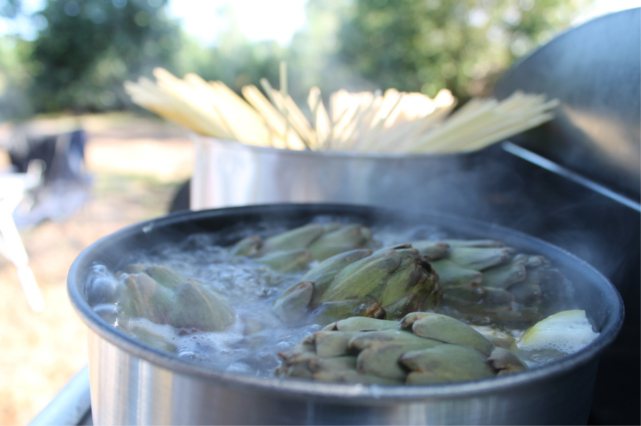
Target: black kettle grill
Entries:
(581, 176)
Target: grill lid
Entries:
(593, 70)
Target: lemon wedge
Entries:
(565, 332)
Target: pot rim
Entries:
(300, 388)
(325, 155)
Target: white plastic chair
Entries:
(13, 187)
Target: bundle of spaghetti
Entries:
(480, 123)
(367, 121)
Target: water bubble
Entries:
(102, 286)
(283, 345)
(239, 367)
(184, 354)
(107, 311)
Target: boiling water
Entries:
(251, 289)
(251, 345)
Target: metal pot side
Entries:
(133, 384)
(227, 173)
(127, 389)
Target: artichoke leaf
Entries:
(295, 239)
(286, 261)
(479, 258)
(453, 274)
(292, 306)
(357, 323)
(445, 363)
(431, 250)
(446, 329)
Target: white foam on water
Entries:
(560, 334)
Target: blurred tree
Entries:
(237, 62)
(87, 49)
(14, 78)
(312, 56)
(14, 75)
(233, 59)
(424, 45)
(10, 8)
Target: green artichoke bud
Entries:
(367, 350)
(199, 307)
(145, 298)
(292, 305)
(306, 243)
(162, 296)
(488, 283)
(385, 284)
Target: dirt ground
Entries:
(136, 166)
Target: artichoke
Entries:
(387, 283)
(162, 296)
(293, 250)
(486, 282)
(421, 348)
(483, 281)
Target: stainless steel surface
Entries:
(70, 406)
(132, 384)
(128, 389)
(594, 71)
(227, 173)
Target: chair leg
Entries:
(14, 250)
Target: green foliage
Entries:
(14, 78)
(425, 45)
(10, 8)
(89, 48)
(311, 58)
(234, 60)
(238, 62)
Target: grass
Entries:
(42, 351)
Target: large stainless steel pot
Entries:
(133, 384)
(228, 173)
